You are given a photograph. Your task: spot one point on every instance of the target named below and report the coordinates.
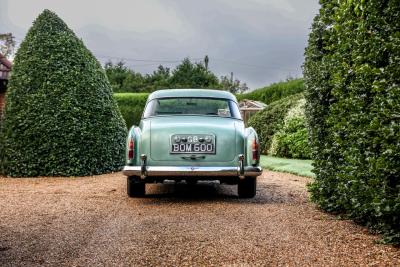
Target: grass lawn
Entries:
(296, 166)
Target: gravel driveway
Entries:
(90, 221)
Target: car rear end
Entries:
(212, 145)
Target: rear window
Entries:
(192, 106)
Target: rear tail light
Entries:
(255, 150)
(131, 148)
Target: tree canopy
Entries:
(186, 75)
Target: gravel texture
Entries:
(90, 221)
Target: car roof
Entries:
(191, 93)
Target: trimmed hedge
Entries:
(275, 91)
(268, 121)
(60, 117)
(291, 141)
(131, 106)
(352, 77)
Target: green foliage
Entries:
(291, 141)
(160, 79)
(231, 85)
(275, 91)
(270, 120)
(60, 117)
(131, 106)
(352, 77)
(185, 75)
(123, 79)
(189, 75)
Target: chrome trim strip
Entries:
(191, 171)
(143, 169)
(241, 166)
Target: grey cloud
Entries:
(260, 41)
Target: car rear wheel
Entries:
(135, 187)
(247, 187)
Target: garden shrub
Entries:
(131, 106)
(275, 91)
(60, 116)
(352, 77)
(268, 121)
(291, 141)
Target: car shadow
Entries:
(199, 191)
(206, 191)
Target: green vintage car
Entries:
(192, 135)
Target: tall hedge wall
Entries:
(275, 91)
(131, 106)
(60, 117)
(352, 76)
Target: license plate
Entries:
(192, 144)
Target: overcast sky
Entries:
(260, 41)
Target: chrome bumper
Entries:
(151, 171)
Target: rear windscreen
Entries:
(192, 106)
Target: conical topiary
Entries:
(60, 117)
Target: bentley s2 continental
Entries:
(192, 135)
